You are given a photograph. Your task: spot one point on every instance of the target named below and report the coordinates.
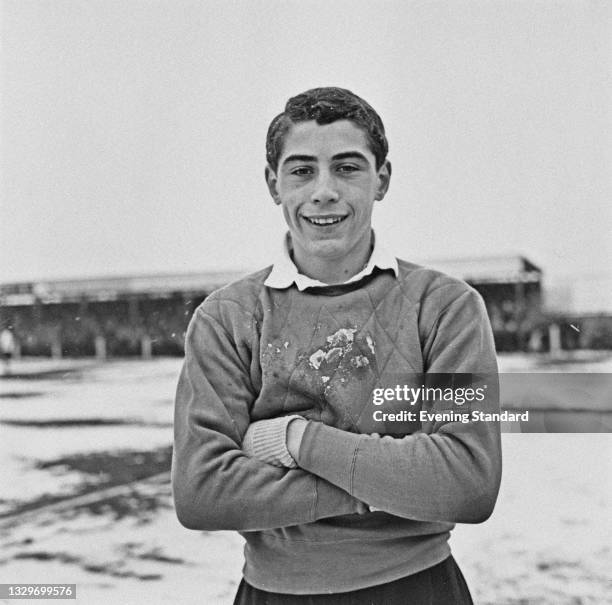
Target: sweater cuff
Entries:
(266, 440)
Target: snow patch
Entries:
(342, 338)
(360, 361)
(316, 359)
(370, 344)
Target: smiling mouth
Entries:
(324, 221)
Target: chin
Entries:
(327, 249)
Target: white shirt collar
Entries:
(284, 272)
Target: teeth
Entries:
(323, 221)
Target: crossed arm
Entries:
(447, 473)
(215, 485)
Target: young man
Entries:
(285, 430)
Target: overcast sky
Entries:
(133, 131)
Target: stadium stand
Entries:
(114, 317)
(511, 287)
(148, 315)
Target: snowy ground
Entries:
(85, 428)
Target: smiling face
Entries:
(327, 183)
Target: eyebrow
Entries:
(345, 155)
(299, 158)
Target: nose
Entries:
(325, 189)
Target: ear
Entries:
(384, 178)
(271, 181)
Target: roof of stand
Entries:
(501, 269)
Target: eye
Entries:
(347, 168)
(302, 171)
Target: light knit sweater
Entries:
(255, 353)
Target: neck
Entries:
(334, 270)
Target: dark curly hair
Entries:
(327, 105)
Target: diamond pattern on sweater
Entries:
(322, 353)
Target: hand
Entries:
(295, 432)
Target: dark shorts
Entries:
(442, 584)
